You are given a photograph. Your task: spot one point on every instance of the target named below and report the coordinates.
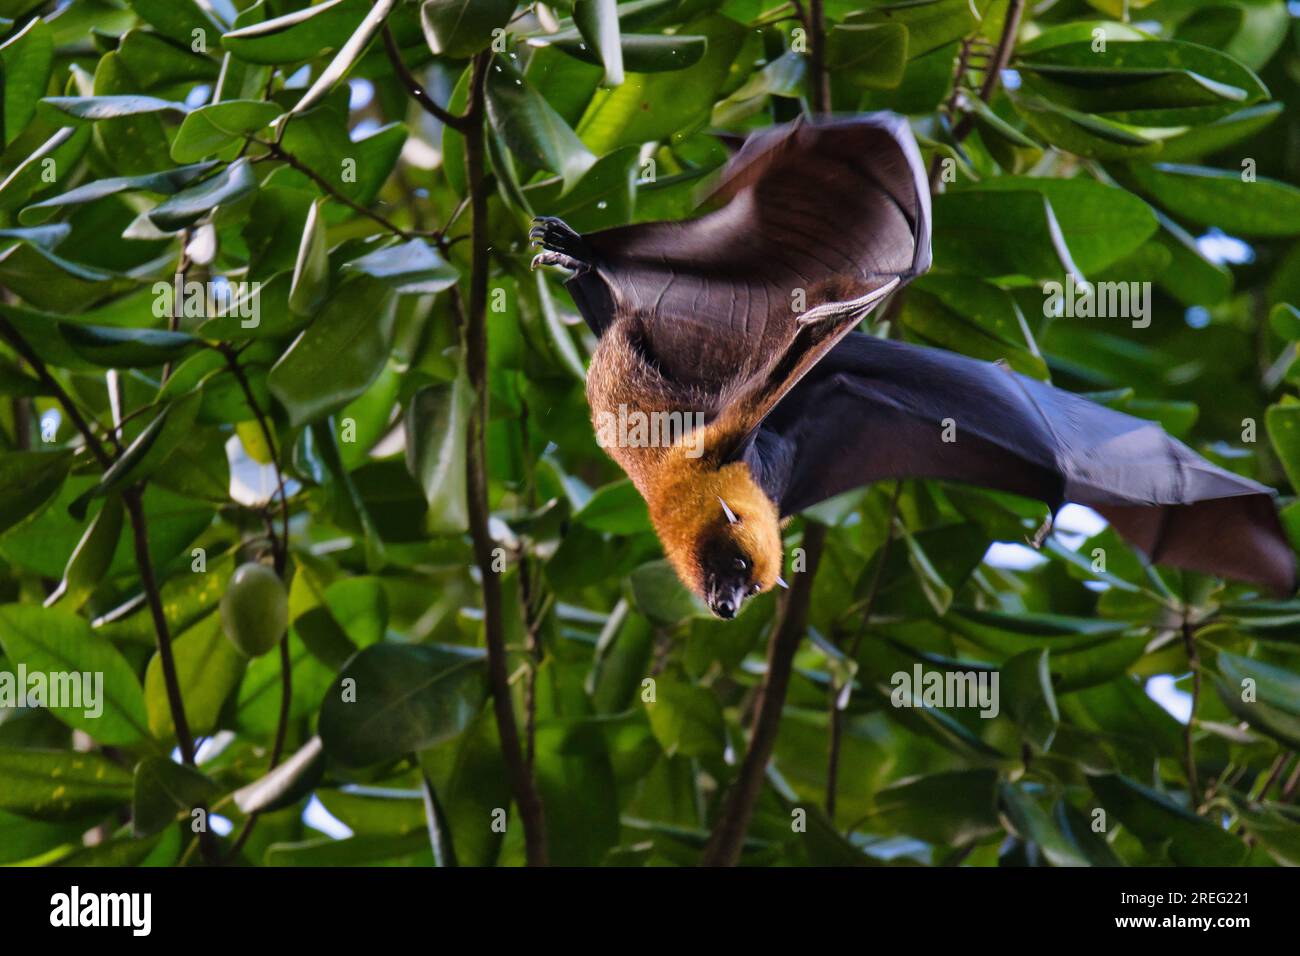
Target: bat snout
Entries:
(724, 601)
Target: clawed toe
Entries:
(557, 236)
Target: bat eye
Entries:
(741, 564)
(755, 589)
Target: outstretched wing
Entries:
(875, 409)
(815, 212)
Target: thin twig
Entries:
(416, 88)
(1189, 751)
(992, 77)
(276, 151)
(818, 79)
(19, 345)
(521, 782)
(280, 553)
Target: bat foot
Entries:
(555, 235)
(549, 258)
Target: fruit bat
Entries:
(741, 321)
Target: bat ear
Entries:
(726, 510)
(781, 582)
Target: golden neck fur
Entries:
(682, 482)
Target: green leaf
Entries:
(310, 284)
(286, 784)
(949, 809)
(55, 642)
(531, 128)
(1063, 841)
(1223, 198)
(1285, 321)
(186, 598)
(26, 59)
(642, 53)
(60, 784)
(168, 181)
(652, 106)
(51, 282)
(28, 480)
(461, 28)
(1217, 135)
(208, 669)
(1159, 83)
(177, 19)
(661, 596)
(686, 720)
(165, 790)
(30, 177)
(347, 57)
(437, 420)
(46, 237)
(597, 21)
(151, 448)
(336, 357)
(190, 205)
(1155, 819)
(360, 606)
(871, 56)
(91, 109)
(1031, 702)
(1283, 423)
(974, 318)
(930, 24)
(411, 268)
(616, 508)
(126, 348)
(90, 559)
(208, 130)
(983, 227)
(301, 35)
(394, 699)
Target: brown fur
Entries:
(682, 491)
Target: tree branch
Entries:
(992, 77)
(416, 88)
(19, 345)
(280, 552)
(140, 531)
(1194, 660)
(723, 848)
(276, 151)
(521, 782)
(819, 80)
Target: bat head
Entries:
(722, 535)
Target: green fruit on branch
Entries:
(254, 609)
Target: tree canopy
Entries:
(266, 299)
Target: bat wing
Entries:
(874, 409)
(814, 212)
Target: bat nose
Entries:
(725, 609)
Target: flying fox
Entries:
(744, 318)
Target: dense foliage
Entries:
(255, 295)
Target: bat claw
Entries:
(549, 258)
(557, 236)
